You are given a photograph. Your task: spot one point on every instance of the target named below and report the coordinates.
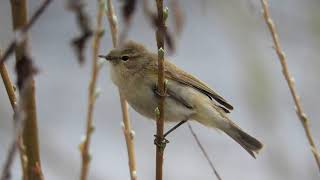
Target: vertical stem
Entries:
(129, 135)
(161, 87)
(92, 95)
(30, 131)
(127, 131)
(290, 81)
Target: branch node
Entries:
(165, 13)
(132, 134)
(97, 93)
(157, 112)
(160, 142)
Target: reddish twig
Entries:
(160, 144)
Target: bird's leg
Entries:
(174, 128)
(161, 142)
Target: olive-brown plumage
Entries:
(134, 70)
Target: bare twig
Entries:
(129, 136)
(92, 94)
(112, 19)
(26, 113)
(8, 85)
(127, 131)
(161, 89)
(204, 152)
(290, 81)
(21, 34)
(83, 21)
(153, 18)
(5, 174)
(16, 142)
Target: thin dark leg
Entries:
(162, 141)
(174, 127)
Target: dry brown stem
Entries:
(26, 85)
(161, 89)
(8, 85)
(84, 146)
(5, 174)
(127, 131)
(290, 81)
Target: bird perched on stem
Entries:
(134, 70)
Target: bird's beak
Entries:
(108, 57)
(103, 56)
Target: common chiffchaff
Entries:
(134, 70)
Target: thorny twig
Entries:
(84, 146)
(126, 126)
(21, 34)
(83, 21)
(204, 152)
(290, 81)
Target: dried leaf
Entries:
(83, 20)
(25, 70)
(128, 8)
(153, 18)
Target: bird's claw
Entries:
(160, 142)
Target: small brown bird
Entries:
(134, 70)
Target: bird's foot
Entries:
(160, 142)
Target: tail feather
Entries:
(249, 143)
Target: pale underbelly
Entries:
(146, 103)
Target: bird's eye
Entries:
(124, 58)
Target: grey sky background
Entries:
(224, 43)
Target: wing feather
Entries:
(189, 80)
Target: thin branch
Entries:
(8, 85)
(21, 34)
(26, 112)
(290, 81)
(92, 94)
(112, 19)
(6, 174)
(161, 89)
(204, 152)
(155, 22)
(127, 131)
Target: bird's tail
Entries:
(249, 143)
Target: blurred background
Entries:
(224, 43)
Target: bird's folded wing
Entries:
(189, 80)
